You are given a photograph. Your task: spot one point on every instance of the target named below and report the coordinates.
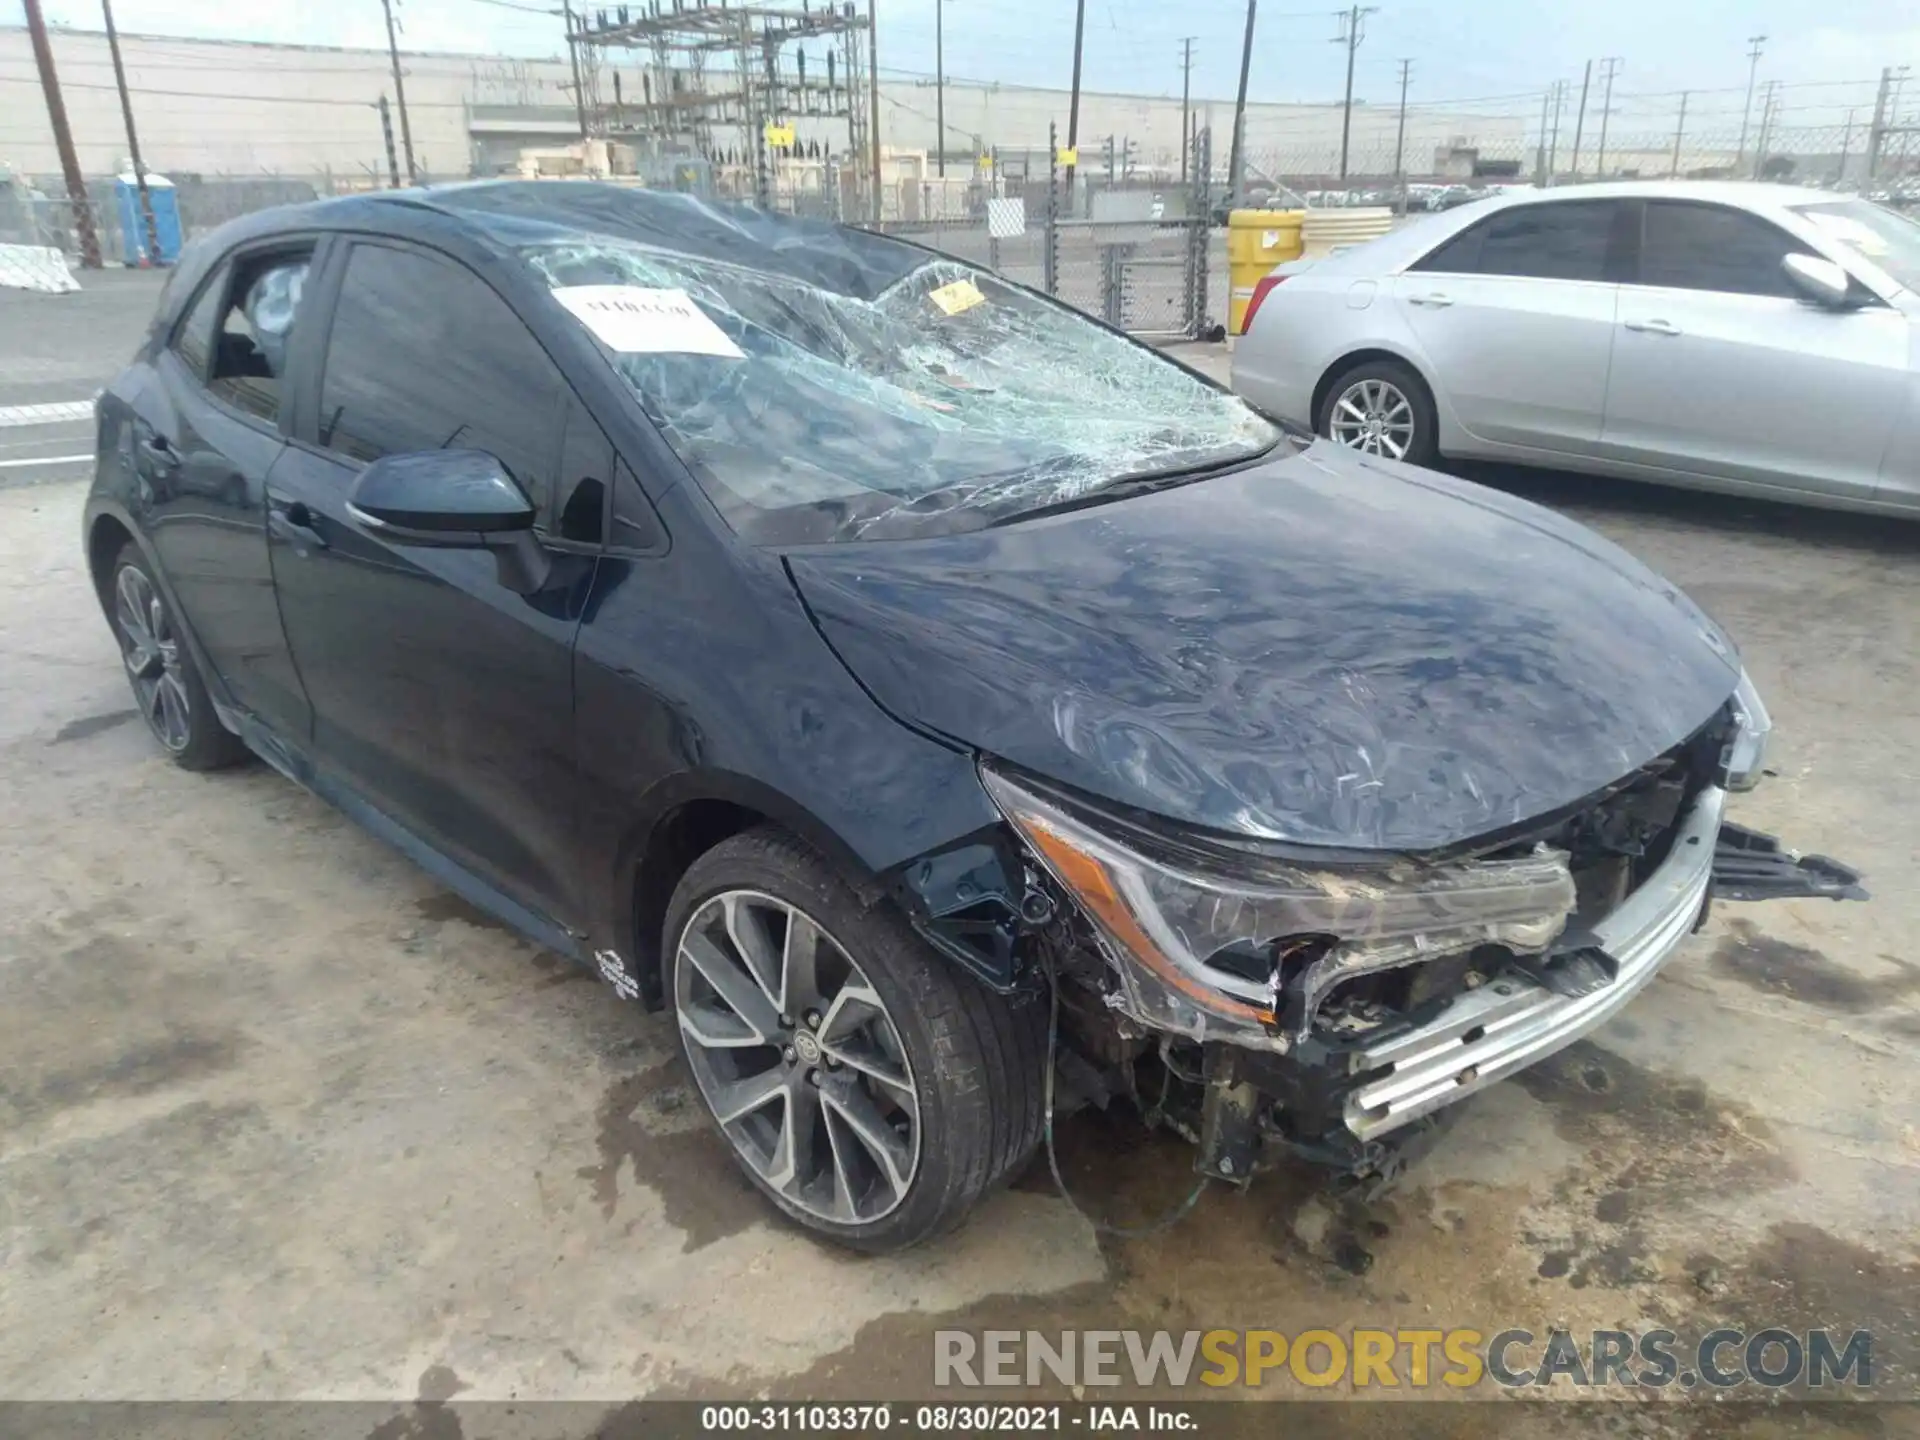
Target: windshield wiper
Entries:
(1125, 487)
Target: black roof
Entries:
(503, 215)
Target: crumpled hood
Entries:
(1324, 649)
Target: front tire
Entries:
(869, 1091)
(167, 687)
(1381, 407)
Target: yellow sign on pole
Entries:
(1068, 154)
(779, 135)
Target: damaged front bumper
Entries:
(1499, 1028)
(1386, 995)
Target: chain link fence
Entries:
(1138, 254)
(1135, 244)
(1631, 146)
(1130, 251)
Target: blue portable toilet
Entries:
(133, 225)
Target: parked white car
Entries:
(1742, 337)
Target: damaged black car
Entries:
(949, 710)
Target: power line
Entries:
(231, 95)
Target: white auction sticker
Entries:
(636, 320)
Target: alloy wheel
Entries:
(797, 1057)
(152, 654)
(1375, 416)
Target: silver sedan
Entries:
(1742, 337)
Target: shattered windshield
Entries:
(944, 401)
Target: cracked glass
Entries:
(929, 398)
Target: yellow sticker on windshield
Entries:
(1849, 231)
(960, 295)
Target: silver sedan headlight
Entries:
(1746, 752)
(1203, 945)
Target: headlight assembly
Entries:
(1746, 752)
(1207, 946)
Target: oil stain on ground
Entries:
(444, 905)
(178, 1057)
(653, 1122)
(1800, 1278)
(1652, 1144)
(90, 725)
(1776, 967)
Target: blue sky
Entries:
(1502, 52)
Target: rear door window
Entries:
(425, 355)
(1565, 240)
(237, 338)
(1690, 246)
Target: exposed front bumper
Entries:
(1502, 1027)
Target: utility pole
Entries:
(386, 134)
(1894, 123)
(1610, 66)
(1553, 145)
(1186, 100)
(1073, 105)
(1350, 37)
(1237, 152)
(1580, 121)
(1540, 150)
(1886, 116)
(1876, 132)
(1400, 138)
(873, 99)
(133, 139)
(83, 229)
(400, 91)
(940, 86)
(1679, 129)
(1846, 142)
(1770, 97)
(1756, 44)
(573, 58)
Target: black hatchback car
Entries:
(951, 709)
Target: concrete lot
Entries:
(279, 1117)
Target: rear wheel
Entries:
(869, 1091)
(166, 685)
(1380, 407)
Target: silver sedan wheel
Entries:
(152, 654)
(1375, 416)
(797, 1057)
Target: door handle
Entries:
(1654, 327)
(294, 524)
(1437, 301)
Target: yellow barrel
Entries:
(1257, 240)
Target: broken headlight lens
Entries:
(1746, 752)
(1205, 943)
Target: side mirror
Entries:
(1819, 280)
(453, 500)
(440, 497)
